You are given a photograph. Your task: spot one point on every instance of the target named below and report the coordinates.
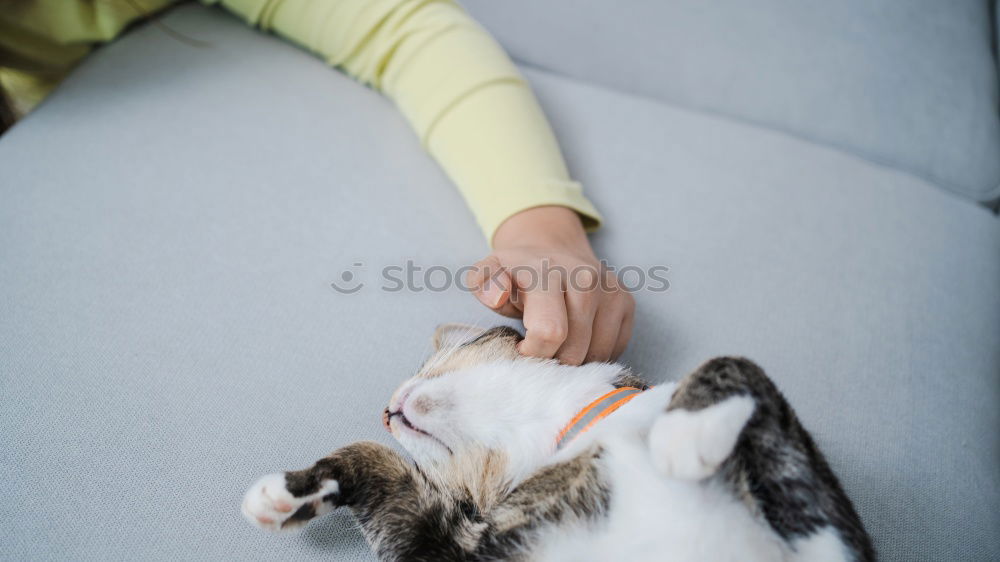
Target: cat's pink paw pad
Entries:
(268, 504)
(281, 505)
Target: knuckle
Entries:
(549, 331)
(584, 279)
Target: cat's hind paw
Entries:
(269, 505)
(690, 445)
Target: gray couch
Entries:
(813, 174)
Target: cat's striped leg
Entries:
(364, 475)
(773, 463)
(288, 500)
(401, 513)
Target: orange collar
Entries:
(595, 412)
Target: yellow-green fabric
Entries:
(467, 102)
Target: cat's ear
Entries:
(455, 334)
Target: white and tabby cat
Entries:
(525, 459)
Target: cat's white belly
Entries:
(652, 517)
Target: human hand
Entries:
(543, 270)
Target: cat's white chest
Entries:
(651, 517)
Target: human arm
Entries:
(479, 119)
(467, 102)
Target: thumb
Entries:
(490, 282)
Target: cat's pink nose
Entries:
(385, 420)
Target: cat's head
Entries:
(477, 404)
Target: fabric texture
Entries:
(911, 84)
(466, 100)
(169, 234)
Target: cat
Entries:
(527, 459)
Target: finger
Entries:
(545, 320)
(607, 325)
(624, 333)
(510, 308)
(581, 308)
(474, 276)
(489, 282)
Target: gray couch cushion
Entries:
(907, 83)
(173, 216)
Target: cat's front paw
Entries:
(269, 505)
(691, 445)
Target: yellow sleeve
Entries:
(41, 40)
(471, 108)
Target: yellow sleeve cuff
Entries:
(543, 194)
(496, 145)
